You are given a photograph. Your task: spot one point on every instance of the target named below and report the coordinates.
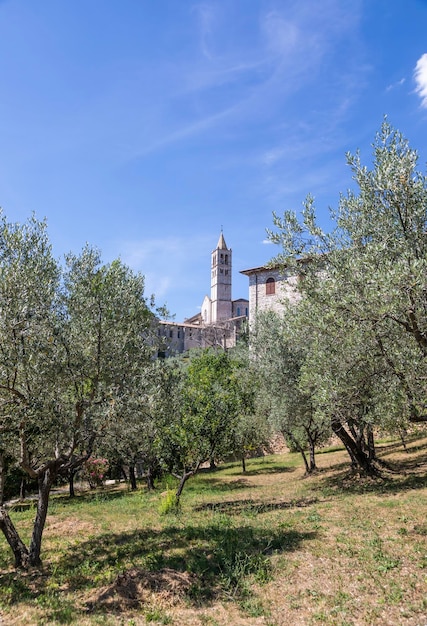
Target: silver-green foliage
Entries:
(364, 288)
(281, 348)
(72, 339)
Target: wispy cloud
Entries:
(245, 79)
(282, 35)
(206, 17)
(420, 75)
(395, 85)
(187, 130)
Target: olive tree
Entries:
(200, 429)
(70, 339)
(280, 349)
(140, 435)
(364, 287)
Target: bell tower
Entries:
(221, 306)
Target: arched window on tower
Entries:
(270, 287)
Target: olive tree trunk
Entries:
(19, 549)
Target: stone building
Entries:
(220, 318)
(269, 287)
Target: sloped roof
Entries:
(221, 245)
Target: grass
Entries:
(270, 547)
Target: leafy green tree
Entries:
(364, 288)
(201, 428)
(252, 431)
(140, 434)
(69, 344)
(281, 348)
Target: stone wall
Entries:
(259, 298)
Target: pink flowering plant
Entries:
(94, 471)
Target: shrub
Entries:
(94, 471)
(169, 503)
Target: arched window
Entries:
(238, 311)
(270, 287)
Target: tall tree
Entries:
(201, 428)
(281, 348)
(251, 431)
(68, 349)
(364, 285)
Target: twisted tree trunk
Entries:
(355, 450)
(45, 484)
(19, 549)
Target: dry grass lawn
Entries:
(268, 548)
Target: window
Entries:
(270, 287)
(238, 311)
(171, 334)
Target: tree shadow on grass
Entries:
(402, 473)
(415, 457)
(63, 499)
(256, 467)
(103, 494)
(414, 443)
(217, 558)
(239, 507)
(199, 563)
(218, 485)
(276, 469)
(350, 482)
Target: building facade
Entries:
(269, 287)
(220, 319)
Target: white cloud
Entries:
(282, 34)
(398, 83)
(420, 75)
(187, 130)
(272, 156)
(207, 18)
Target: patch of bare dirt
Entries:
(136, 587)
(70, 527)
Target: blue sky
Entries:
(143, 126)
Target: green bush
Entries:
(169, 503)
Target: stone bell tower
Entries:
(221, 306)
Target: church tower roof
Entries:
(221, 245)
